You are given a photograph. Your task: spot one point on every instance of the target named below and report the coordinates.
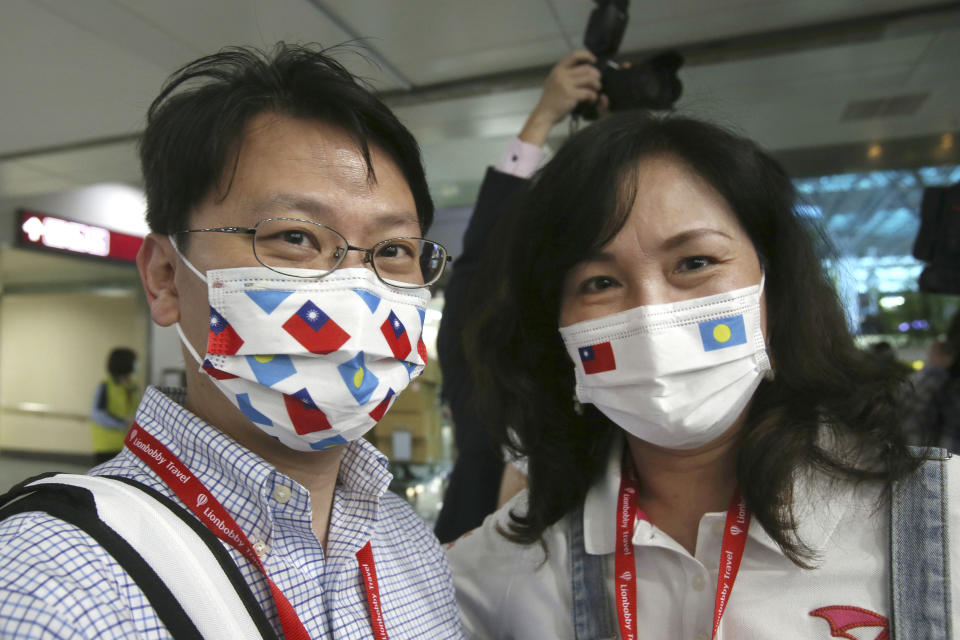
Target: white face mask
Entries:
(676, 375)
(313, 363)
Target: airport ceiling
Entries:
(797, 75)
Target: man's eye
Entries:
(295, 237)
(395, 250)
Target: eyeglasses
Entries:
(305, 249)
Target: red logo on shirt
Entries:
(844, 618)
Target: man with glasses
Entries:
(287, 206)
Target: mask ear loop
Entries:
(183, 338)
(769, 374)
(183, 258)
(190, 349)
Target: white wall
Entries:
(54, 350)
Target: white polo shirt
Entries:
(518, 592)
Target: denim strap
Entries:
(593, 617)
(919, 552)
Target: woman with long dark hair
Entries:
(659, 339)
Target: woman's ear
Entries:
(156, 262)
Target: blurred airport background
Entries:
(859, 100)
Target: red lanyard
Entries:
(211, 513)
(625, 582)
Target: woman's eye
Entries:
(694, 263)
(597, 284)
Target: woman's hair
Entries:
(575, 205)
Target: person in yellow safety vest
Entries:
(114, 404)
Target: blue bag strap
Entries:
(593, 617)
(919, 552)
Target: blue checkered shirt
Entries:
(56, 582)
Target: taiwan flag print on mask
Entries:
(314, 363)
(597, 358)
(396, 336)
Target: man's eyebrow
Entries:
(285, 203)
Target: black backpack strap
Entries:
(919, 552)
(76, 506)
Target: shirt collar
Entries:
(243, 481)
(819, 504)
(364, 469)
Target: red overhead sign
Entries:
(78, 238)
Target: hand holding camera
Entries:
(572, 81)
(652, 84)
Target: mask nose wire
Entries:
(173, 243)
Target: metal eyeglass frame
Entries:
(367, 253)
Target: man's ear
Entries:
(157, 262)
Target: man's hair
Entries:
(196, 124)
(120, 362)
(576, 204)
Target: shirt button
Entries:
(703, 635)
(261, 549)
(698, 583)
(281, 493)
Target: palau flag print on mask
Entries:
(328, 443)
(359, 380)
(271, 369)
(314, 363)
(723, 333)
(243, 402)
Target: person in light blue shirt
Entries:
(308, 187)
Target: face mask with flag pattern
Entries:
(676, 375)
(313, 363)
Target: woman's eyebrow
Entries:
(598, 256)
(690, 235)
